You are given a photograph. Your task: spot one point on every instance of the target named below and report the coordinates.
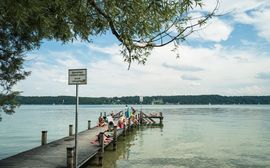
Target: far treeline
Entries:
(198, 99)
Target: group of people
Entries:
(128, 114)
(106, 120)
(124, 117)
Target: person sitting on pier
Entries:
(121, 122)
(110, 126)
(107, 139)
(101, 122)
(133, 110)
(134, 120)
(105, 118)
(112, 114)
(110, 123)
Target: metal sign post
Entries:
(76, 126)
(77, 77)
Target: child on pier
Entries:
(110, 122)
(101, 122)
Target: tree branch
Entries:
(109, 19)
(151, 43)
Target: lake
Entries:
(192, 136)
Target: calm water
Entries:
(192, 136)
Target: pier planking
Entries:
(53, 154)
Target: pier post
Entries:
(101, 150)
(43, 137)
(89, 124)
(125, 130)
(105, 114)
(114, 137)
(129, 126)
(161, 118)
(70, 130)
(138, 120)
(70, 157)
(140, 117)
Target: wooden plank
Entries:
(53, 154)
(146, 116)
(153, 117)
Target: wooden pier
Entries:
(60, 153)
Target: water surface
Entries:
(192, 136)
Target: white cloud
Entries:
(216, 30)
(49, 75)
(220, 70)
(111, 50)
(190, 77)
(248, 90)
(259, 18)
(195, 84)
(233, 6)
(183, 67)
(263, 24)
(252, 12)
(263, 75)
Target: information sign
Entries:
(77, 76)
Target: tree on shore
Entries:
(138, 25)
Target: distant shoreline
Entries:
(148, 100)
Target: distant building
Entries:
(157, 101)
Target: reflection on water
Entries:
(227, 137)
(121, 153)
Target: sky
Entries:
(230, 56)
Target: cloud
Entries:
(253, 90)
(241, 58)
(111, 50)
(195, 84)
(263, 75)
(215, 69)
(216, 30)
(206, 71)
(49, 73)
(190, 77)
(233, 6)
(182, 67)
(259, 18)
(252, 12)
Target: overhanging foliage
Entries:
(139, 26)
